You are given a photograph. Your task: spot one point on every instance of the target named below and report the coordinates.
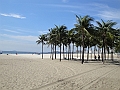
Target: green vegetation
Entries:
(84, 35)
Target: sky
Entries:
(22, 21)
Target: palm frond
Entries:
(99, 24)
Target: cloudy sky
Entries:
(22, 21)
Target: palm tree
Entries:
(61, 31)
(50, 41)
(114, 36)
(104, 28)
(73, 39)
(53, 40)
(41, 39)
(65, 42)
(83, 23)
(88, 44)
(78, 41)
(69, 43)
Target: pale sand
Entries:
(30, 72)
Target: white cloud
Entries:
(110, 14)
(13, 31)
(12, 15)
(43, 32)
(104, 11)
(18, 30)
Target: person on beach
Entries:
(95, 57)
(99, 57)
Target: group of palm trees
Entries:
(85, 35)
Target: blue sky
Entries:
(22, 21)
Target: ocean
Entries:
(22, 52)
(18, 52)
(25, 52)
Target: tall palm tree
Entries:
(50, 41)
(104, 28)
(61, 31)
(78, 41)
(114, 37)
(69, 43)
(65, 42)
(53, 40)
(41, 39)
(83, 23)
(73, 39)
(88, 44)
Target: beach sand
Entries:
(30, 72)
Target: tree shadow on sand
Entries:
(93, 61)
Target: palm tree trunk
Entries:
(70, 51)
(77, 51)
(66, 51)
(63, 51)
(55, 49)
(108, 53)
(42, 49)
(95, 57)
(60, 51)
(51, 56)
(112, 54)
(83, 55)
(103, 46)
(112, 58)
(102, 55)
(83, 48)
(88, 53)
(91, 53)
(73, 51)
(80, 52)
(52, 51)
(94, 50)
(60, 45)
(98, 53)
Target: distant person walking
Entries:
(95, 57)
(99, 57)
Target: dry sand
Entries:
(30, 72)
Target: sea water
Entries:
(22, 52)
